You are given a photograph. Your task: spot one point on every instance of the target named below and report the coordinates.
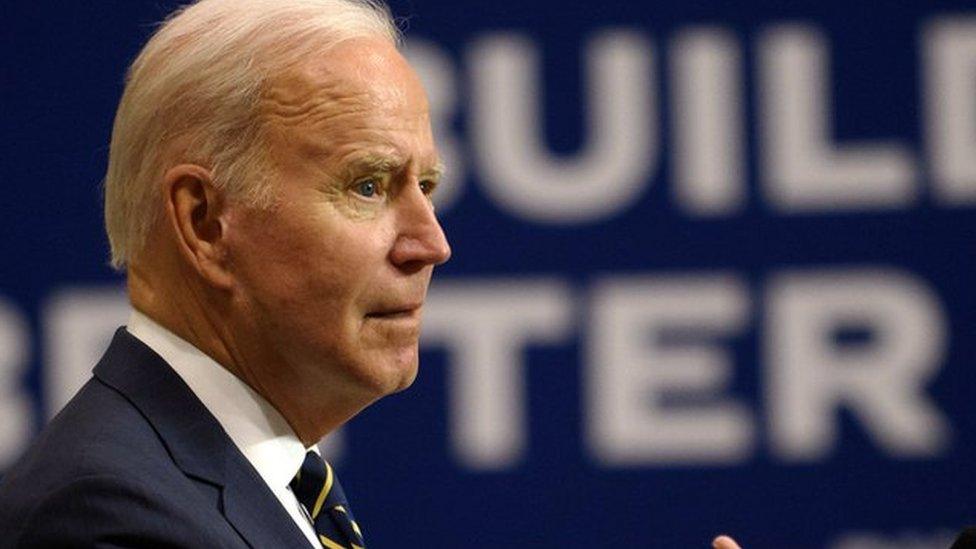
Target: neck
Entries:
(181, 309)
(205, 321)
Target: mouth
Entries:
(395, 313)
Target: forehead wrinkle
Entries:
(319, 115)
(369, 140)
(286, 106)
(329, 113)
(316, 93)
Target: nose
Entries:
(420, 239)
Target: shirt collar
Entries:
(258, 430)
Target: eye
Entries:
(367, 188)
(427, 186)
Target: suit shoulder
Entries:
(97, 432)
(99, 473)
(92, 510)
(98, 437)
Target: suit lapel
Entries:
(196, 441)
(251, 518)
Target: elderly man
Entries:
(269, 197)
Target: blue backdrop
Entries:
(712, 269)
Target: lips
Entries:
(394, 312)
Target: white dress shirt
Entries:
(256, 427)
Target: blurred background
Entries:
(712, 269)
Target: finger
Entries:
(725, 542)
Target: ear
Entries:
(196, 210)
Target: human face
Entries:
(332, 279)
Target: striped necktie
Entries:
(318, 490)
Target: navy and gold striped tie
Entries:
(319, 491)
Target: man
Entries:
(268, 195)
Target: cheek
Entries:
(309, 268)
(308, 265)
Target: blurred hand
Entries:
(725, 542)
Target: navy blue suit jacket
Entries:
(136, 460)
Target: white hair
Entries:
(193, 95)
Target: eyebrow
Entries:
(436, 171)
(376, 163)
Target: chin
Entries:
(407, 374)
(408, 379)
(392, 373)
